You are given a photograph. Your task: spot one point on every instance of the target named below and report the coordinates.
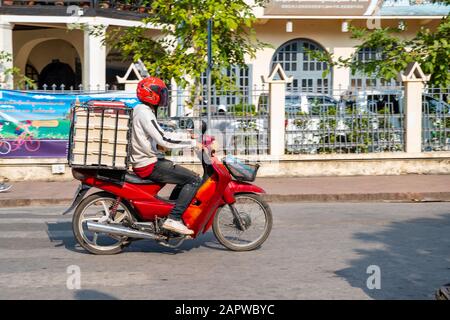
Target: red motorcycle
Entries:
(129, 208)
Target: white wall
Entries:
(327, 33)
(43, 53)
(58, 43)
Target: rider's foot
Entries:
(177, 226)
(4, 187)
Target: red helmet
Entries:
(153, 91)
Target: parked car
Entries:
(220, 109)
(309, 103)
(299, 102)
(377, 101)
(306, 121)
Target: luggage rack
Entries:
(100, 135)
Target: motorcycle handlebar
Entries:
(205, 153)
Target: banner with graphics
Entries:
(37, 124)
(322, 7)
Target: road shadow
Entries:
(92, 295)
(413, 257)
(60, 233)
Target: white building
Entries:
(39, 38)
(37, 34)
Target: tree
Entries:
(431, 48)
(21, 80)
(181, 52)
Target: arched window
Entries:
(307, 72)
(31, 72)
(57, 73)
(241, 84)
(361, 80)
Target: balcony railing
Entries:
(136, 6)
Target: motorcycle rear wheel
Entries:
(256, 216)
(93, 208)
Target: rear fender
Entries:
(79, 195)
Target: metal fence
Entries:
(350, 121)
(239, 119)
(53, 88)
(436, 119)
(341, 121)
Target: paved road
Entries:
(316, 251)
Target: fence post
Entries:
(414, 80)
(277, 81)
(173, 99)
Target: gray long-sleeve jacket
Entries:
(147, 134)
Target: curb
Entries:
(32, 202)
(343, 197)
(361, 197)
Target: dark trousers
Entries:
(165, 171)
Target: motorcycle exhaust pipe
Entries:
(119, 230)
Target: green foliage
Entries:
(243, 109)
(431, 48)
(182, 48)
(445, 2)
(349, 130)
(361, 133)
(20, 79)
(436, 124)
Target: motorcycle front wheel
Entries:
(249, 229)
(96, 208)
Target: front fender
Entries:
(235, 187)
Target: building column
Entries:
(277, 116)
(414, 80)
(341, 76)
(94, 63)
(6, 50)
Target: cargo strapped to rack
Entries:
(100, 135)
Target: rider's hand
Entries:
(192, 134)
(198, 146)
(161, 148)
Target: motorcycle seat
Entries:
(134, 179)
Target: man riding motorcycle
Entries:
(148, 162)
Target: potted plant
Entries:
(125, 5)
(120, 5)
(143, 6)
(104, 4)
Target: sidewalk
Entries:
(314, 189)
